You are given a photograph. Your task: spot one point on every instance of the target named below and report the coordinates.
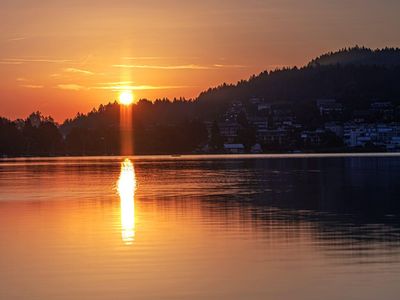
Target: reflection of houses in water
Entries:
(343, 202)
(347, 206)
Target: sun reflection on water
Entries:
(126, 188)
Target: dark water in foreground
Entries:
(200, 228)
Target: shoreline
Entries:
(202, 156)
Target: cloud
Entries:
(144, 57)
(32, 86)
(140, 87)
(179, 67)
(18, 61)
(25, 83)
(76, 70)
(156, 57)
(116, 83)
(117, 86)
(71, 87)
(16, 39)
(176, 67)
(10, 62)
(229, 66)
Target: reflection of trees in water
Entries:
(348, 205)
(339, 236)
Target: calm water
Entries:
(200, 228)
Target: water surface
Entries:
(261, 227)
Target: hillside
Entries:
(353, 84)
(289, 97)
(359, 56)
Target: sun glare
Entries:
(126, 188)
(126, 97)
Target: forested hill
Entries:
(359, 56)
(352, 84)
(179, 126)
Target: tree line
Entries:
(185, 125)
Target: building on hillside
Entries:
(234, 148)
(335, 127)
(233, 111)
(384, 111)
(260, 124)
(275, 137)
(312, 137)
(381, 106)
(229, 131)
(329, 107)
(383, 135)
(256, 100)
(264, 107)
(256, 149)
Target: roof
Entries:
(233, 146)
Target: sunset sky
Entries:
(61, 57)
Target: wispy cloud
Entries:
(140, 87)
(32, 60)
(27, 83)
(71, 87)
(117, 86)
(116, 83)
(5, 62)
(16, 39)
(176, 67)
(179, 67)
(157, 57)
(32, 86)
(144, 57)
(76, 70)
(229, 66)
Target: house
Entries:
(329, 107)
(233, 111)
(312, 137)
(256, 101)
(334, 127)
(229, 130)
(260, 124)
(256, 148)
(383, 110)
(234, 148)
(384, 135)
(277, 136)
(264, 106)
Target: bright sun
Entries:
(126, 97)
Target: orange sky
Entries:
(61, 57)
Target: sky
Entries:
(64, 57)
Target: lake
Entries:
(200, 227)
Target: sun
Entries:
(126, 97)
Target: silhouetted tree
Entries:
(11, 139)
(216, 139)
(246, 133)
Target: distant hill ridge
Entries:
(354, 76)
(359, 56)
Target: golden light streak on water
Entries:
(126, 188)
